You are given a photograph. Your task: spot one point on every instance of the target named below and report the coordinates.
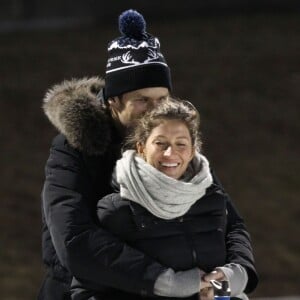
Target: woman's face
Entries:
(168, 148)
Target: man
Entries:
(92, 118)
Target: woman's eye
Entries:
(160, 144)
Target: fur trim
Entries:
(73, 108)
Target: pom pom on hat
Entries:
(132, 24)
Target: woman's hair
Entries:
(172, 109)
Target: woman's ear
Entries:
(193, 153)
(140, 148)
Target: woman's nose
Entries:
(168, 151)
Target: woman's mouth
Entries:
(169, 165)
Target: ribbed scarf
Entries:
(164, 196)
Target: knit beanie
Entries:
(134, 59)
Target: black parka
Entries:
(209, 235)
(78, 174)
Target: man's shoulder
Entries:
(62, 153)
(90, 138)
(73, 107)
(60, 142)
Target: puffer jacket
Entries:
(78, 173)
(203, 237)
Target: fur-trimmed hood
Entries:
(74, 109)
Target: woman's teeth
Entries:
(169, 164)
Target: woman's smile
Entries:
(169, 148)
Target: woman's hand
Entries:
(206, 290)
(214, 275)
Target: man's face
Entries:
(133, 105)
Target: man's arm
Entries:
(89, 252)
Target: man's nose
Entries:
(154, 103)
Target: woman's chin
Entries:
(170, 173)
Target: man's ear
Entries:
(114, 103)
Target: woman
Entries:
(170, 208)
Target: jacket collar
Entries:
(74, 110)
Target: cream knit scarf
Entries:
(163, 196)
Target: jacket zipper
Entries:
(194, 255)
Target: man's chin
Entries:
(133, 123)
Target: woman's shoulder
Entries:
(213, 200)
(216, 189)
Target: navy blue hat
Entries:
(134, 59)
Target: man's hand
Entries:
(204, 284)
(206, 294)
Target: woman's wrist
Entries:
(237, 277)
(178, 284)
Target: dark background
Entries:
(238, 61)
